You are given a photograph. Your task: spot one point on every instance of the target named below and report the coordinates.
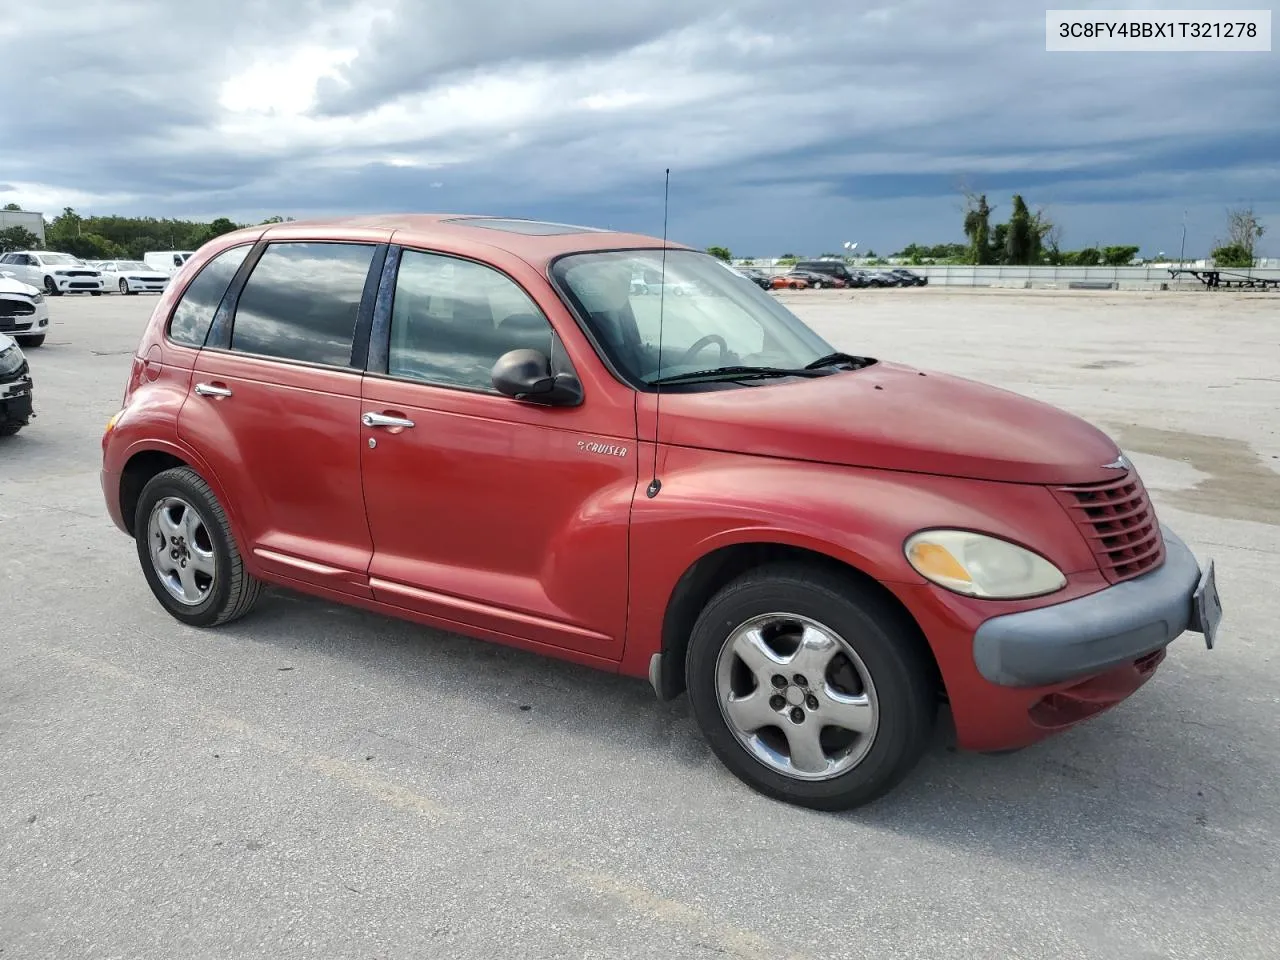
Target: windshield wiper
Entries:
(735, 373)
(831, 359)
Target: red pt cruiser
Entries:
(473, 423)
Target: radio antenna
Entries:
(655, 484)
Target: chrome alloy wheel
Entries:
(797, 696)
(181, 550)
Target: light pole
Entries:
(1183, 250)
(850, 246)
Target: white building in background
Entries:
(23, 218)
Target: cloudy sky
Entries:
(786, 129)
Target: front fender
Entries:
(860, 517)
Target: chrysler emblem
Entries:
(1119, 463)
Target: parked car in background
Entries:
(167, 262)
(132, 276)
(15, 388)
(836, 269)
(818, 281)
(758, 277)
(24, 314)
(54, 273)
(875, 278)
(907, 278)
(789, 281)
(500, 436)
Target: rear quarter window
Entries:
(194, 314)
(302, 300)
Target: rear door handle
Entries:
(212, 390)
(382, 420)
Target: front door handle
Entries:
(382, 420)
(212, 390)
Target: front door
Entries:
(504, 518)
(276, 412)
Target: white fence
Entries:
(1147, 277)
(1150, 277)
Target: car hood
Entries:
(6, 342)
(895, 417)
(17, 286)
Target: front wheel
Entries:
(95, 293)
(124, 287)
(9, 429)
(51, 288)
(188, 553)
(810, 688)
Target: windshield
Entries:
(132, 265)
(712, 315)
(60, 260)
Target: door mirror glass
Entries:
(526, 375)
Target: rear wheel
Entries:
(36, 341)
(188, 554)
(810, 688)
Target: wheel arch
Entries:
(711, 572)
(144, 462)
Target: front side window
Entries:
(452, 319)
(302, 300)
(711, 315)
(194, 314)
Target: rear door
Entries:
(275, 409)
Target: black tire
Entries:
(234, 591)
(95, 293)
(36, 341)
(883, 638)
(9, 429)
(51, 288)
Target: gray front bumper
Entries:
(1081, 637)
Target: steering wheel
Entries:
(702, 343)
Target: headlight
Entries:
(10, 360)
(977, 565)
(38, 298)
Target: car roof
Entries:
(536, 241)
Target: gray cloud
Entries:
(770, 122)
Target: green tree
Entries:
(977, 227)
(720, 253)
(1244, 230)
(1088, 257)
(1232, 255)
(17, 238)
(997, 251)
(13, 206)
(1022, 242)
(1118, 256)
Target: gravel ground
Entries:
(314, 781)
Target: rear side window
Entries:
(301, 302)
(194, 313)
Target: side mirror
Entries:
(526, 375)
